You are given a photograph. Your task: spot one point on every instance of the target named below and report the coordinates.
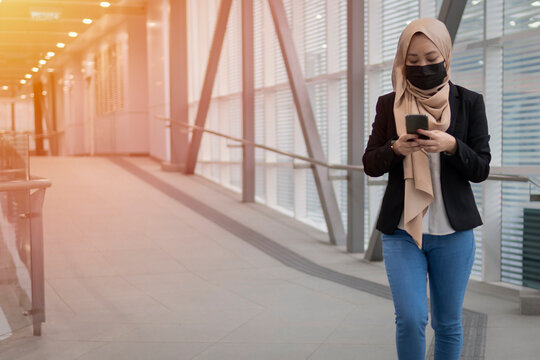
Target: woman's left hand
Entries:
(439, 141)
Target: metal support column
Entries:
(451, 14)
(206, 92)
(178, 84)
(248, 103)
(13, 116)
(38, 117)
(355, 130)
(48, 108)
(304, 110)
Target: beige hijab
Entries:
(433, 103)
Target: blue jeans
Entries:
(447, 260)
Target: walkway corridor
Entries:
(143, 264)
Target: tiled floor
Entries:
(133, 274)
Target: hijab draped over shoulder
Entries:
(412, 100)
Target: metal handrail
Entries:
(30, 133)
(286, 153)
(17, 185)
(493, 176)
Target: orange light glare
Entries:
(105, 4)
(28, 76)
(35, 69)
(87, 21)
(72, 34)
(60, 45)
(5, 87)
(42, 62)
(51, 53)
(23, 81)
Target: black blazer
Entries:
(468, 125)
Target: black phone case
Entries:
(414, 122)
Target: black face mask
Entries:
(427, 76)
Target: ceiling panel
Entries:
(31, 28)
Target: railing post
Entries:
(491, 231)
(37, 262)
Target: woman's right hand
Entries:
(406, 144)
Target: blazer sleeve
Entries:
(379, 157)
(472, 156)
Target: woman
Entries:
(428, 210)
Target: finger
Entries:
(428, 133)
(424, 142)
(412, 144)
(408, 137)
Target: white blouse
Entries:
(435, 220)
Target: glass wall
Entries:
(320, 32)
(496, 53)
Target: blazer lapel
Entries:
(453, 100)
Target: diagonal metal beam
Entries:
(248, 103)
(209, 79)
(451, 14)
(304, 110)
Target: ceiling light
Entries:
(42, 62)
(23, 81)
(105, 4)
(5, 87)
(28, 76)
(60, 45)
(536, 3)
(534, 25)
(23, 97)
(72, 34)
(50, 53)
(44, 92)
(35, 69)
(87, 21)
(512, 23)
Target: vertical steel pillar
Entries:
(451, 14)
(178, 80)
(248, 103)
(13, 116)
(38, 117)
(355, 130)
(50, 118)
(304, 110)
(206, 92)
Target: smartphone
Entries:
(414, 122)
